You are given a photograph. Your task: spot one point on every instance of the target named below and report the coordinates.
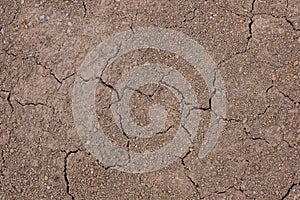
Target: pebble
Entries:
(28, 25)
(247, 130)
(48, 187)
(42, 17)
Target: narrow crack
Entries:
(9, 100)
(250, 24)
(112, 57)
(282, 93)
(186, 169)
(84, 8)
(49, 69)
(289, 190)
(32, 104)
(224, 191)
(65, 170)
(248, 133)
(193, 15)
(2, 176)
(166, 130)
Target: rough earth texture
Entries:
(256, 46)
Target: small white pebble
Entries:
(48, 187)
(42, 17)
(22, 1)
(76, 1)
(67, 14)
(2, 31)
(4, 42)
(69, 24)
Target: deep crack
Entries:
(65, 170)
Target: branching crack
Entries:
(186, 169)
(49, 69)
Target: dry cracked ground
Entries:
(256, 47)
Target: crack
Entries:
(32, 104)
(84, 8)
(289, 190)
(248, 133)
(112, 57)
(287, 96)
(224, 191)
(193, 15)
(65, 170)
(291, 23)
(49, 69)
(263, 112)
(165, 131)
(185, 167)
(2, 176)
(282, 93)
(285, 18)
(9, 100)
(250, 24)
(250, 32)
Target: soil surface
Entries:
(256, 47)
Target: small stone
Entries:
(48, 187)
(46, 178)
(22, 1)
(42, 17)
(69, 24)
(247, 130)
(296, 63)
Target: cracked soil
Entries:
(256, 46)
